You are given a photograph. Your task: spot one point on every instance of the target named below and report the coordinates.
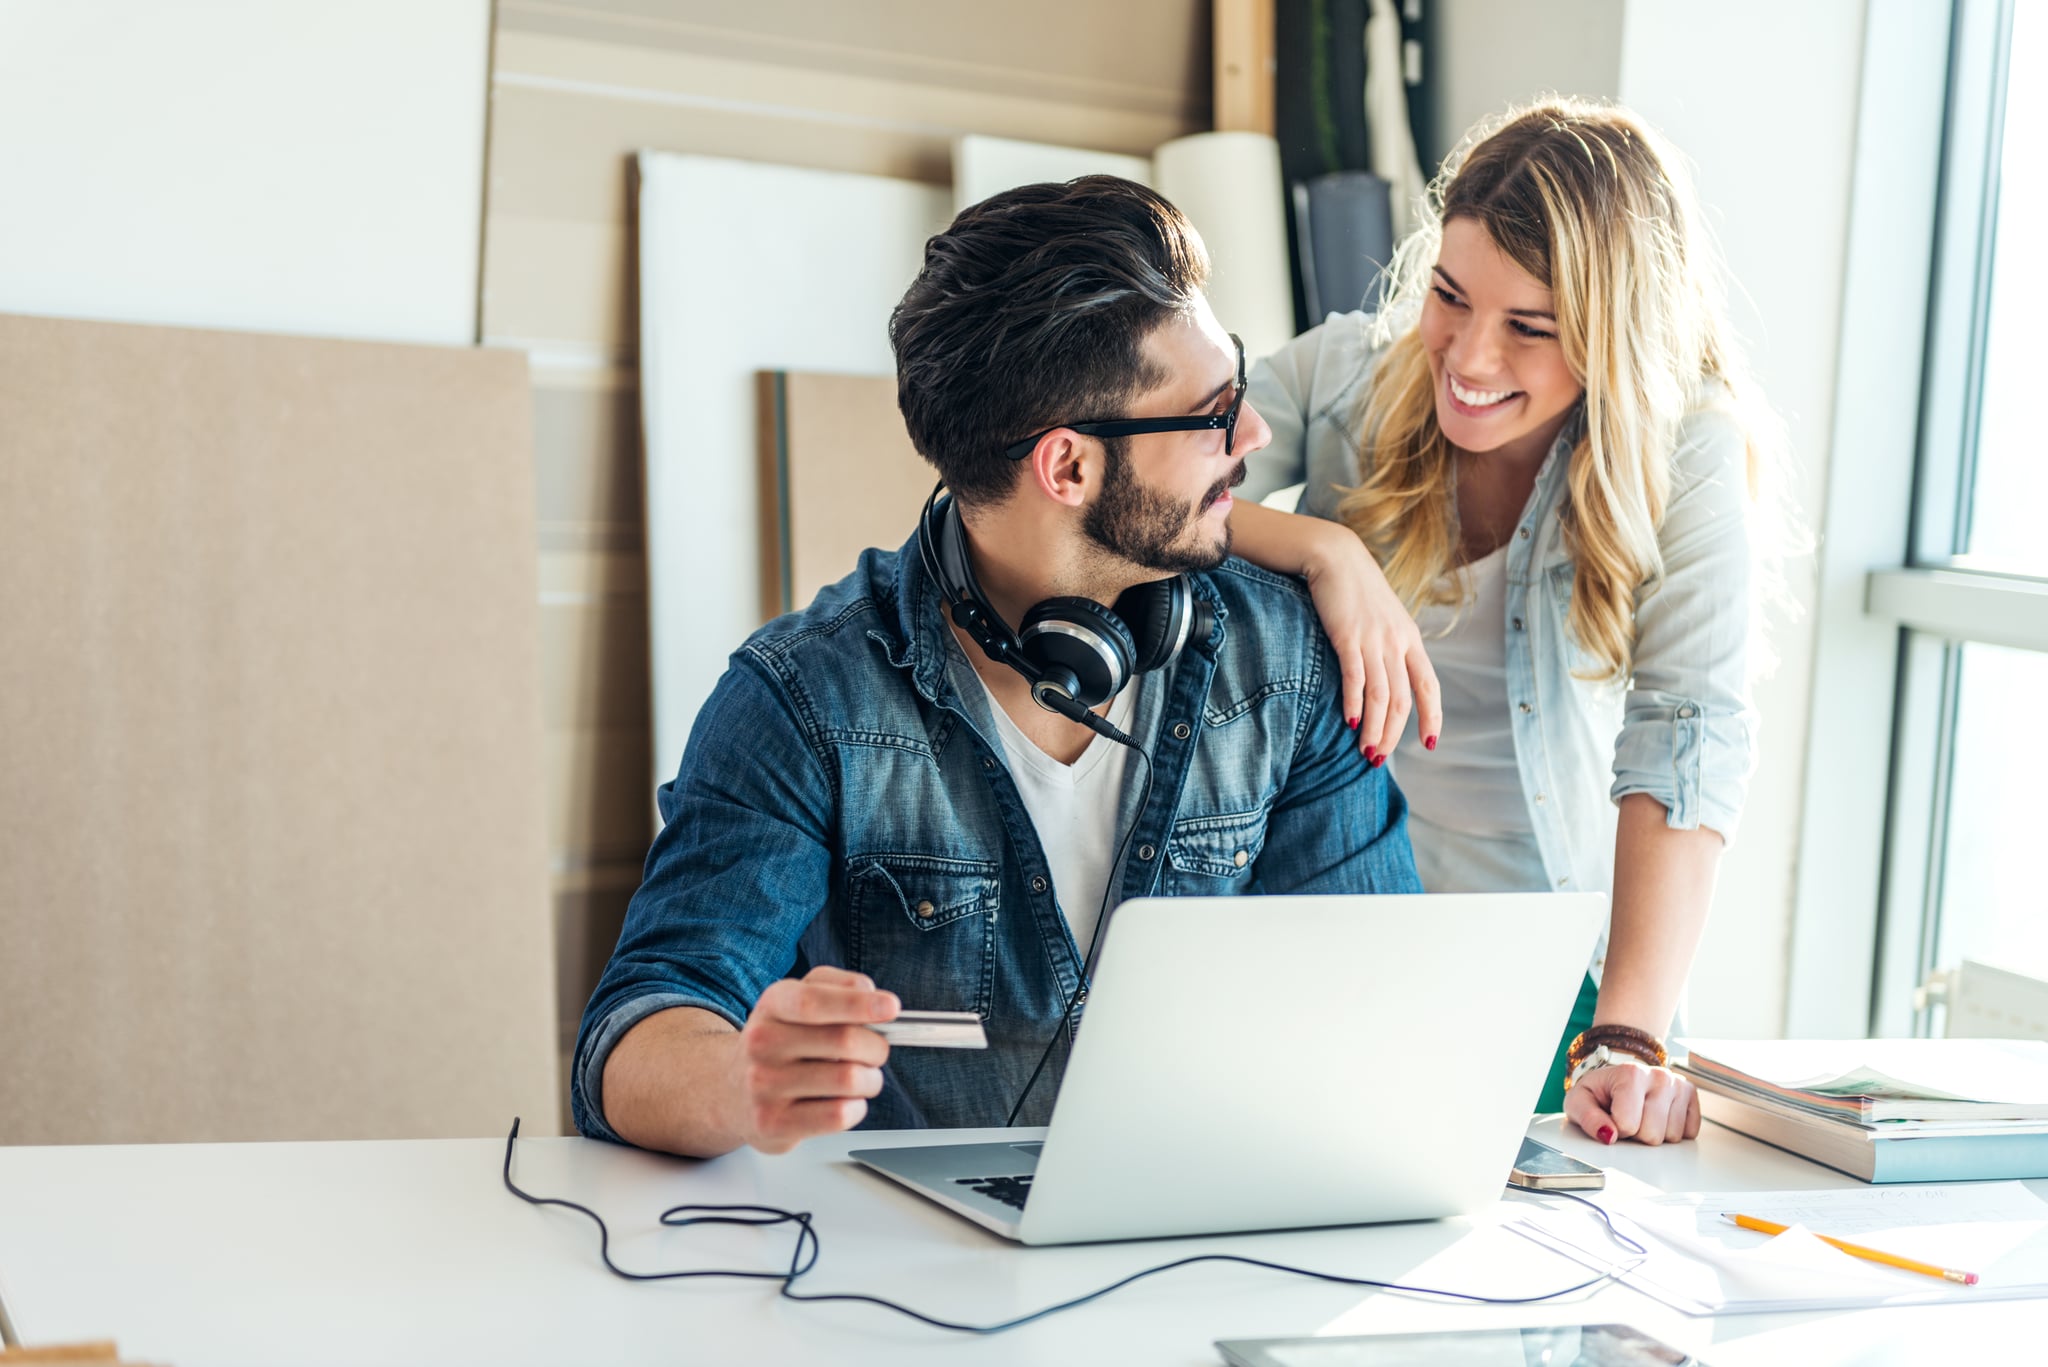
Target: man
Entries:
(873, 813)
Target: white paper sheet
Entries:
(745, 267)
(2013, 1072)
(1700, 1264)
(984, 166)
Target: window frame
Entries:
(1889, 647)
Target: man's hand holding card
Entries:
(810, 1061)
(814, 1047)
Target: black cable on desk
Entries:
(804, 1257)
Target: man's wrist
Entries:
(676, 1082)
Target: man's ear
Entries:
(1065, 467)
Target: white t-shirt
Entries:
(1465, 800)
(1074, 808)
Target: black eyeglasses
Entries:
(1132, 427)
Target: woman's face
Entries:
(1491, 336)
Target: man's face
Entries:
(1165, 500)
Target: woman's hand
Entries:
(1387, 673)
(1632, 1100)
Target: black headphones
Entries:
(1076, 653)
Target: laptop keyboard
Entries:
(1011, 1191)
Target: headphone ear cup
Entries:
(1084, 640)
(1158, 615)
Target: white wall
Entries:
(1763, 99)
(1491, 53)
(278, 165)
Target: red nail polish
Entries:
(1371, 756)
(1378, 760)
(1429, 742)
(1607, 1134)
(1351, 722)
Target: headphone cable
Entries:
(1080, 992)
(804, 1257)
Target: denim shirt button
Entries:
(1540, 799)
(1518, 624)
(1686, 711)
(1181, 731)
(988, 762)
(1525, 533)
(1145, 853)
(1038, 884)
(1525, 707)
(1240, 859)
(925, 911)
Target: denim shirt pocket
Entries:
(923, 927)
(1214, 854)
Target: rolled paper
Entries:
(1228, 184)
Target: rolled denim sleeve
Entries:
(1688, 735)
(741, 868)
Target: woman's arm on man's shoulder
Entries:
(1385, 669)
(1299, 391)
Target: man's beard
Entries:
(1148, 528)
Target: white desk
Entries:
(412, 1252)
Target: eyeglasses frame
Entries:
(1134, 427)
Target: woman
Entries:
(1547, 451)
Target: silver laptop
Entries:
(1279, 1062)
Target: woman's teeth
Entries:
(1479, 398)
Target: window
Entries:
(2009, 475)
(1964, 827)
(1993, 897)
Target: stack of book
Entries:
(1898, 1110)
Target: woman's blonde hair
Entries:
(1591, 202)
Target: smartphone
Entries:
(1541, 1168)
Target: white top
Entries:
(1074, 809)
(1468, 815)
(1470, 784)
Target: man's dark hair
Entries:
(1032, 310)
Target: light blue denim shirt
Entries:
(1683, 728)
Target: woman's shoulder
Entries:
(1350, 332)
(1713, 444)
(1326, 367)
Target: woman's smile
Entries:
(1475, 402)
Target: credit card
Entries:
(933, 1030)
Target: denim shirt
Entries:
(844, 800)
(1683, 727)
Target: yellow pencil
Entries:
(1875, 1255)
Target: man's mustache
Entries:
(1217, 490)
